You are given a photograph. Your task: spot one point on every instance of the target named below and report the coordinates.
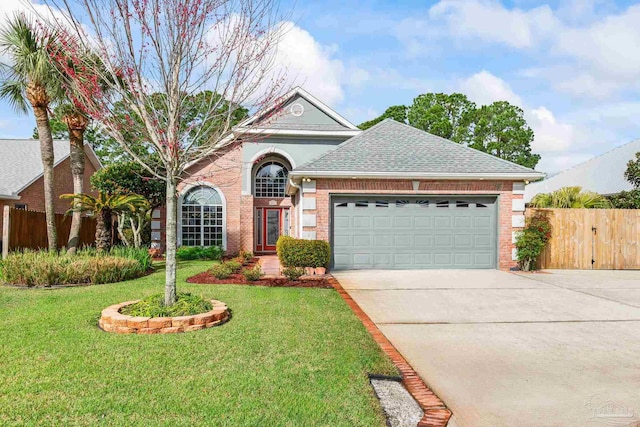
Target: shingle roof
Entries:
(391, 146)
(20, 162)
(589, 175)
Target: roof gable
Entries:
(21, 162)
(391, 148)
(589, 176)
(299, 110)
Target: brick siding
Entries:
(503, 189)
(33, 195)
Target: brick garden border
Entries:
(436, 414)
(114, 321)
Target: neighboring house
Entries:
(389, 197)
(603, 174)
(21, 174)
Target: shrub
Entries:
(531, 241)
(303, 253)
(187, 253)
(153, 306)
(221, 271)
(234, 265)
(239, 259)
(41, 268)
(293, 273)
(247, 256)
(253, 274)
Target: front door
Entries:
(270, 224)
(271, 229)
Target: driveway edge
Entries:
(436, 414)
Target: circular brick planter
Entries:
(114, 321)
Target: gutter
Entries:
(9, 197)
(528, 176)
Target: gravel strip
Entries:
(398, 405)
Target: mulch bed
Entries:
(277, 282)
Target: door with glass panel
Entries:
(270, 224)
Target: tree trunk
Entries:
(46, 152)
(103, 230)
(121, 221)
(77, 124)
(172, 243)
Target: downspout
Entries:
(299, 214)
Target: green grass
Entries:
(288, 357)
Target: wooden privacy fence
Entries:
(600, 239)
(28, 230)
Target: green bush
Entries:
(253, 274)
(293, 273)
(221, 271)
(234, 265)
(531, 241)
(187, 253)
(247, 256)
(153, 306)
(42, 268)
(303, 253)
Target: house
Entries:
(602, 174)
(390, 197)
(21, 174)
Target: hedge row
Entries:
(303, 253)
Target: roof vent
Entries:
(297, 109)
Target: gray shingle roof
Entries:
(391, 146)
(20, 162)
(589, 175)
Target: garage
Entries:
(404, 232)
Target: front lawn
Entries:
(288, 357)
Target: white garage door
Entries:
(414, 232)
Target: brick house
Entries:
(389, 197)
(21, 174)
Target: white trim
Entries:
(517, 205)
(517, 221)
(184, 191)
(9, 197)
(312, 99)
(410, 175)
(298, 132)
(261, 153)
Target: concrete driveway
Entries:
(548, 349)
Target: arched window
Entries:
(202, 218)
(270, 180)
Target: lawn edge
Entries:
(436, 413)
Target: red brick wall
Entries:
(225, 173)
(33, 195)
(503, 189)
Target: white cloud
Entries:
(490, 21)
(611, 46)
(313, 65)
(485, 88)
(550, 134)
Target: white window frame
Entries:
(186, 190)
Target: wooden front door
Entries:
(271, 223)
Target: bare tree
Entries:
(176, 48)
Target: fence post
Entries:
(6, 223)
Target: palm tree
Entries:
(103, 207)
(570, 197)
(77, 123)
(30, 79)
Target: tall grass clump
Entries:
(44, 268)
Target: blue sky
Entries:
(572, 65)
